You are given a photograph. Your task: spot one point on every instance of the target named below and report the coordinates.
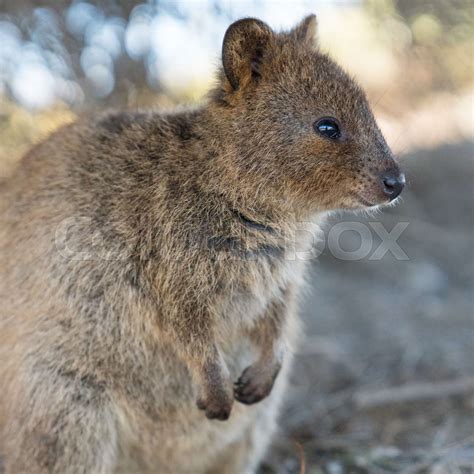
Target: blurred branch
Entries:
(413, 393)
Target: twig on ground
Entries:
(413, 392)
(302, 457)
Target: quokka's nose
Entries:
(393, 183)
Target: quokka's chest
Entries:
(261, 282)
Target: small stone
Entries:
(385, 452)
(334, 467)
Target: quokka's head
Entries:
(302, 128)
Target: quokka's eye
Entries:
(328, 128)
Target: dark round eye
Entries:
(328, 128)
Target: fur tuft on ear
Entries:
(305, 31)
(243, 48)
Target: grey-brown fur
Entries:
(146, 276)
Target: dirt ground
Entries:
(383, 381)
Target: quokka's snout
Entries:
(382, 187)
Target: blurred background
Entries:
(383, 381)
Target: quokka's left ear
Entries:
(305, 31)
(243, 50)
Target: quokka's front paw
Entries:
(256, 382)
(217, 403)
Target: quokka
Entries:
(147, 301)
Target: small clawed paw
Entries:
(215, 407)
(254, 385)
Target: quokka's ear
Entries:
(305, 31)
(243, 48)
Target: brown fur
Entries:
(144, 265)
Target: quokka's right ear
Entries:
(243, 50)
(305, 31)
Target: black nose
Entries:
(393, 184)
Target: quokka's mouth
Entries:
(364, 201)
